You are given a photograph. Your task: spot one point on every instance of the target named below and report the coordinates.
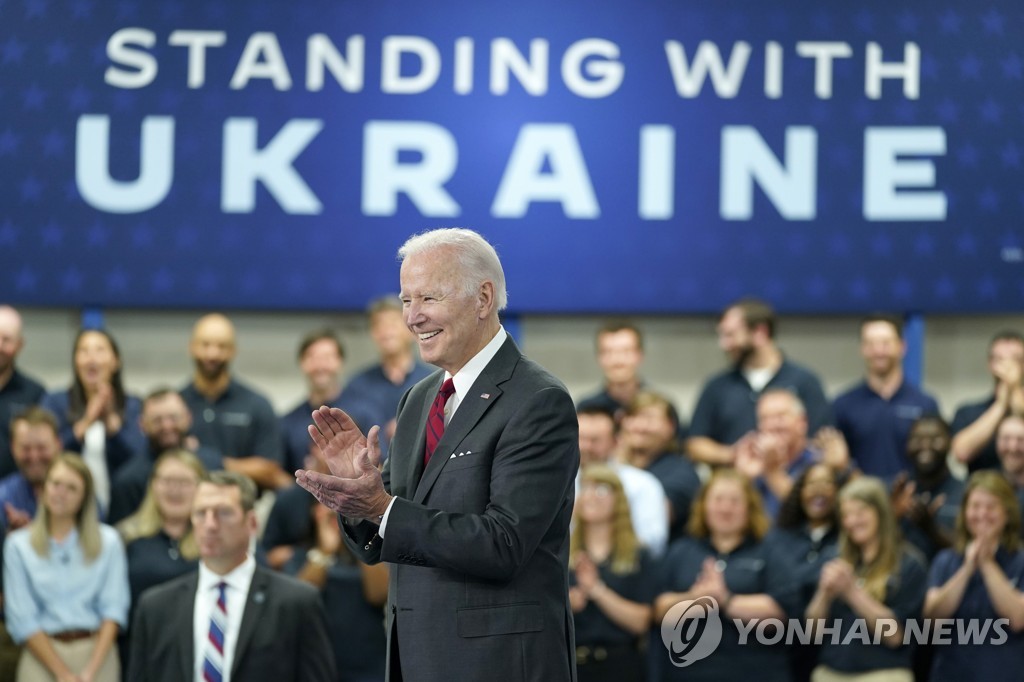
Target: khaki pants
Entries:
(75, 656)
(9, 653)
(826, 674)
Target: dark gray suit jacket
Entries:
(283, 633)
(479, 541)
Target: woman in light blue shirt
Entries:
(66, 583)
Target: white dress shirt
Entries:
(463, 380)
(647, 506)
(236, 593)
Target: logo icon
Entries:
(691, 630)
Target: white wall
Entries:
(680, 351)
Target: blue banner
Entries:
(663, 156)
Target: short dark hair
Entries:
(616, 326)
(936, 418)
(598, 411)
(894, 321)
(158, 393)
(246, 488)
(36, 416)
(755, 314)
(1006, 335)
(323, 334)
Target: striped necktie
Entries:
(435, 420)
(213, 659)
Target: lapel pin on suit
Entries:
(259, 597)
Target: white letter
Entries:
(347, 70)
(885, 173)
(244, 165)
(916, 629)
(780, 632)
(463, 84)
(744, 628)
(607, 73)
(725, 80)
(506, 58)
(262, 46)
(773, 70)
(791, 187)
(568, 182)
(92, 170)
(884, 627)
(909, 70)
(1000, 628)
(384, 177)
(859, 633)
(823, 53)
(143, 62)
(391, 78)
(943, 632)
(197, 42)
(657, 175)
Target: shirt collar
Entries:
(238, 578)
(470, 372)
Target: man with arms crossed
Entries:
(477, 536)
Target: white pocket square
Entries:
(461, 454)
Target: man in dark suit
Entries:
(231, 620)
(476, 535)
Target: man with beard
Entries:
(35, 443)
(17, 391)
(166, 422)
(227, 415)
(726, 409)
(1010, 448)
(322, 361)
(875, 415)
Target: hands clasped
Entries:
(354, 487)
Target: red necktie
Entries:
(435, 420)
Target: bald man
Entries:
(17, 391)
(227, 415)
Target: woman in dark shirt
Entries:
(978, 582)
(611, 582)
(725, 559)
(874, 585)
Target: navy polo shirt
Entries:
(679, 478)
(239, 423)
(876, 429)
(953, 489)
(752, 568)
(291, 519)
(967, 414)
(377, 396)
(294, 427)
(904, 595)
(727, 408)
(808, 556)
(593, 626)
(16, 491)
(982, 658)
(17, 395)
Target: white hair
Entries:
(477, 259)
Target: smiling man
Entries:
(472, 507)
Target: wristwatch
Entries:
(319, 558)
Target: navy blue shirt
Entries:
(679, 478)
(291, 519)
(752, 568)
(808, 556)
(295, 424)
(593, 626)
(16, 491)
(727, 408)
(17, 395)
(876, 429)
(904, 595)
(377, 396)
(982, 658)
(967, 414)
(239, 423)
(120, 448)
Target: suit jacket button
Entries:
(366, 547)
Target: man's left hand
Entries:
(361, 497)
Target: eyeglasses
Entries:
(175, 482)
(598, 489)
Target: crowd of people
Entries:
(866, 510)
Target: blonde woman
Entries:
(979, 581)
(874, 583)
(726, 559)
(611, 581)
(66, 583)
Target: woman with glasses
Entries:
(611, 581)
(66, 584)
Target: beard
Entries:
(211, 371)
(741, 354)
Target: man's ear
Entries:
(485, 299)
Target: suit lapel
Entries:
(480, 397)
(185, 623)
(415, 471)
(255, 603)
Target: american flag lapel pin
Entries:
(485, 396)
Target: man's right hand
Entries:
(16, 518)
(341, 441)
